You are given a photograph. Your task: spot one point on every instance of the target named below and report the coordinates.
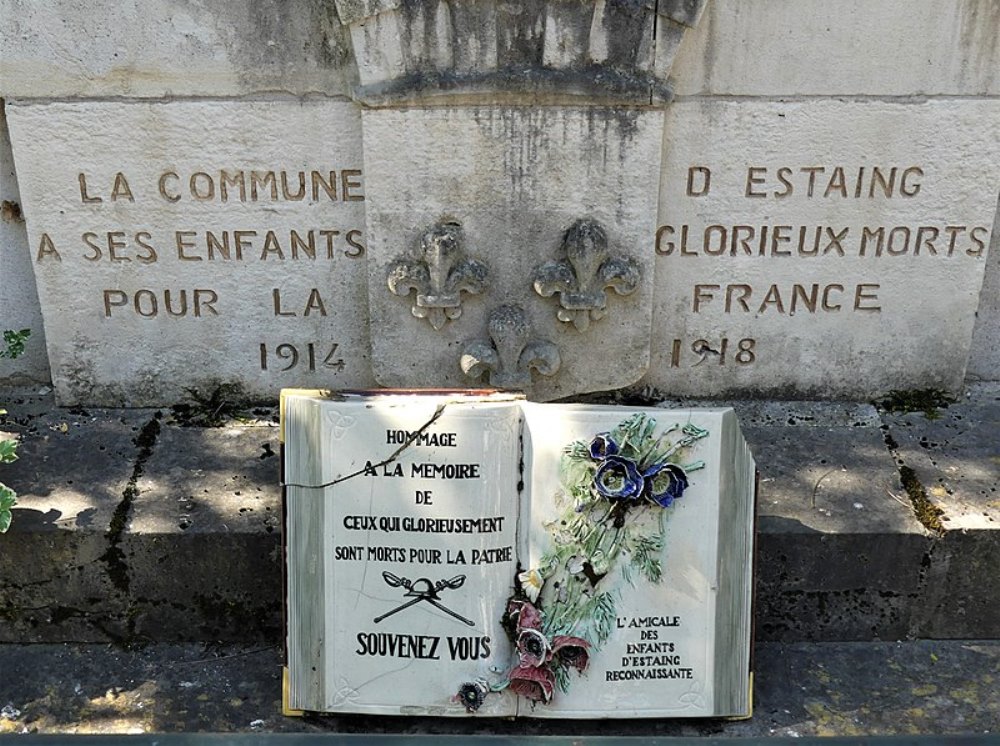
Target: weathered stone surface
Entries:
(830, 480)
(58, 562)
(217, 516)
(61, 49)
(166, 48)
(232, 487)
(955, 459)
(857, 287)
(488, 52)
(128, 529)
(127, 202)
(984, 361)
(840, 552)
(515, 180)
(852, 586)
(927, 687)
(955, 455)
(19, 308)
(962, 587)
(826, 569)
(860, 47)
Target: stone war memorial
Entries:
(682, 208)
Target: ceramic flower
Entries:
(471, 695)
(571, 651)
(618, 478)
(533, 648)
(603, 446)
(599, 562)
(575, 564)
(628, 467)
(531, 583)
(534, 683)
(665, 483)
(524, 615)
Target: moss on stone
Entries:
(926, 511)
(927, 401)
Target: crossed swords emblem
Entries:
(423, 589)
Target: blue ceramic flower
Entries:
(603, 446)
(471, 695)
(618, 478)
(665, 483)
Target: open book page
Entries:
(622, 525)
(400, 565)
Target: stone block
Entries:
(984, 361)
(162, 48)
(19, 308)
(856, 47)
(838, 587)
(955, 458)
(189, 244)
(786, 263)
(232, 486)
(839, 553)
(59, 563)
(486, 52)
(830, 480)
(955, 455)
(130, 529)
(511, 184)
(203, 545)
(962, 586)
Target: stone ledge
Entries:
(117, 538)
(803, 689)
(593, 85)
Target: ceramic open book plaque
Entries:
(474, 554)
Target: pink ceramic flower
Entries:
(571, 651)
(525, 615)
(536, 684)
(532, 648)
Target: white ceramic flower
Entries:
(599, 561)
(575, 564)
(531, 583)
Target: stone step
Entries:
(934, 688)
(133, 525)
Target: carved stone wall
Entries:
(605, 51)
(267, 195)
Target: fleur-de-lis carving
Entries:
(582, 277)
(439, 274)
(510, 354)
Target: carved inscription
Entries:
(179, 246)
(822, 183)
(287, 356)
(225, 245)
(721, 352)
(848, 248)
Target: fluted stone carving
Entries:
(615, 51)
